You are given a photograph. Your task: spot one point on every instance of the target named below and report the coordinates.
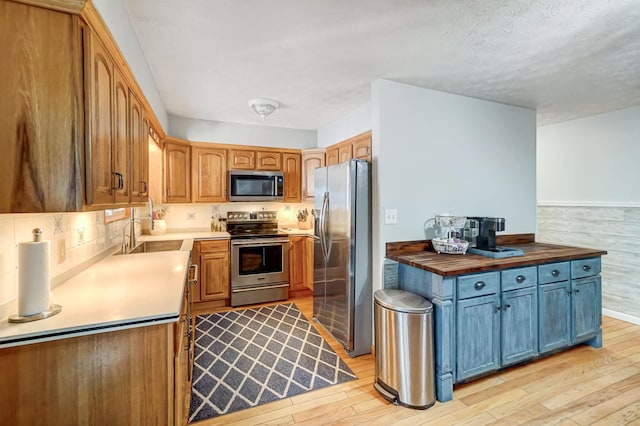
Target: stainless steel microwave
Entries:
(246, 185)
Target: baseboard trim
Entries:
(621, 316)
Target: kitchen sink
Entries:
(154, 246)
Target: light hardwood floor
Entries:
(582, 386)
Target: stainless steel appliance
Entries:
(247, 185)
(342, 301)
(404, 348)
(259, 258)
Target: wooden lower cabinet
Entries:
(213, 259)
(300, 264)
(124, 377)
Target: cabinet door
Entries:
(144, 160)
(297, 263)
(121, 148)
(138, 143)
(519, 337)
(102, 179)
(311, 160)
(362, 147)
(554, 316)
(308, 267)
(214, 276)
(41, 110)
(267, 160)
(344, 152)
(586, 309)
(478, 336)
(177, 168)
(332, 156)
(241, 159)
(209, 175)
(292, 172)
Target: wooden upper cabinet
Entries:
(177, 171)
(240, 159)
(248, 159)
(361, 147)
(120, 151)
(292, 175)
(344, 152)
(333, 157)
(209, 175)
(139, 182)
(268, 160)
(358, 147)
(102, 180)
(311, 160)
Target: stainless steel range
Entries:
(259, 258)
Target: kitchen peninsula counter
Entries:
(420, 254)
(117, 292)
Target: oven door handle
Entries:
(259, 242)
(243, 289)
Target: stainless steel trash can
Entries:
(404, 348)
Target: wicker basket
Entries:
(450, 246)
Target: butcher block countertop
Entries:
(420, 254)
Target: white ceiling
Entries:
(565, 58)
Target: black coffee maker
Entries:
(487, 228)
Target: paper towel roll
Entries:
(33, 277)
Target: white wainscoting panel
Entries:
(615, 229)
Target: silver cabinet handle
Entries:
(586, 268)
(479, 285)
(520, 279)
(555, 273)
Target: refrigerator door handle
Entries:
(321, 233)
(326, 243)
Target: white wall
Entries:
(589, 196)
(591, 161)
(354, 123)
(434, 152)
(240, 134)
(117, 20)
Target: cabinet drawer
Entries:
(553, 272)
(478, 285)
(585, 267)
(513, 279)
(212, 246)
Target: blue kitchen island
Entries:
(494, 313)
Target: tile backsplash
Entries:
(198, 216)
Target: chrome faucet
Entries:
(132, 232)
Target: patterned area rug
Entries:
(254, 356)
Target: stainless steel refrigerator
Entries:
(342, 301)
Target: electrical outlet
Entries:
(62, 251)
(390, 216)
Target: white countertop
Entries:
(117, 292)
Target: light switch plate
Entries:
(390, 216)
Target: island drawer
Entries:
(585, 267)
(513, 279)
(553, 272)
(478, 285)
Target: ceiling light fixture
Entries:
(263, 106)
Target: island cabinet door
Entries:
(586, 308)
(519, 325)
(555, 316)
(478, 336)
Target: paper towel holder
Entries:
(53, 309)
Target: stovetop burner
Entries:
(261, 224)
